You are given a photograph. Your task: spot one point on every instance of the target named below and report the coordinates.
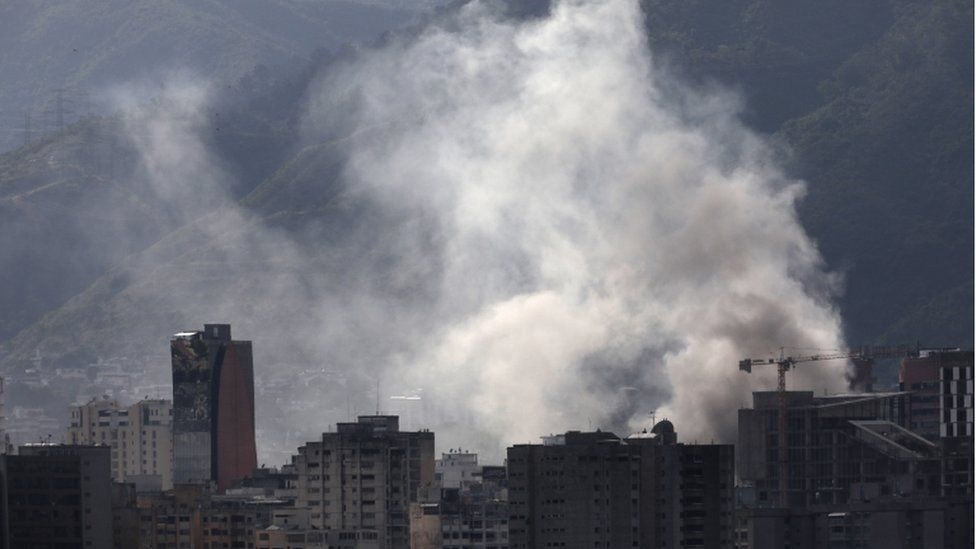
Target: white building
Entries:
(140, 435)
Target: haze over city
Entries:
(499, 222)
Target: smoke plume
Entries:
(541, 230)
(610, 242)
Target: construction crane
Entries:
(783, 364)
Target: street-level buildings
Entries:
(193, 515)
(290, 529)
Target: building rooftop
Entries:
(848, 398)
(893, 440)
(767, 400)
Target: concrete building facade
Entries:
(192, 515)
(841, 448)
(467, 508)
(598, 490)
(140, 437)
(920, 375)
(941, 382)
(290, 529)
(956, 394)
(456, 469)
(695, 482)
(56, 495)
(956, 422)
(4, 437)
(360, 480)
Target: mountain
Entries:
(875, 101)
(872, 100)
(890, 154)
(82, 48)
(83, 194)
(60, 207)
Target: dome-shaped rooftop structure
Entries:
(664, 430)
(662, 427)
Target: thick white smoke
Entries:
(556, 235)
(162, 119)
(612, 242)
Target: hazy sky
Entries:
(551, 233)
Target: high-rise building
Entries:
(956, 393)
(56, 495)
(91, 422)
(841, 448)
(4, 437)
(125, 516)
(865, 470)
(456, 469)
(920, 375)
(690, 493)
(576, 490)
(361, 480)
(140, 437)
(956, 423)
(941, 383)
(597, 490)
(213, 407)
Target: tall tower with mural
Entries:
(213, 407)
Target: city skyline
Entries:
(501, 273)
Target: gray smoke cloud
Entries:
(559, 236)
(612, 242)
(162, 119)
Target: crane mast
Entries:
(783, 365)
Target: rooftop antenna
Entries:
(653, 415)
(377, 395)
